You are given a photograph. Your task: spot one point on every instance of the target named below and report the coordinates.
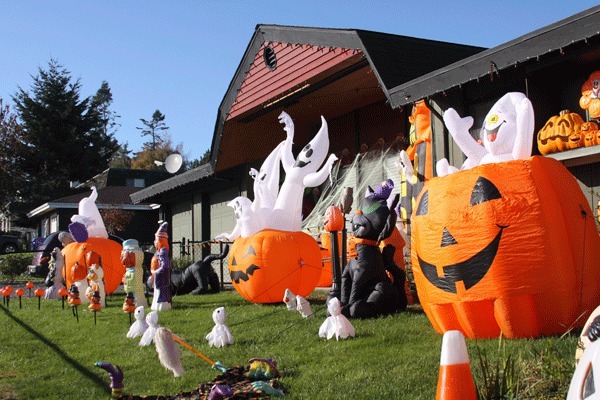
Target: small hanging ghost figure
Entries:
(289, 299)
(336, 324)
(152, 321)
(304, 307)
(139, 326)
(168, 351)
(220, 336)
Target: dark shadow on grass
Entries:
(95, 379)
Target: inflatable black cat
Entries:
(367, 290)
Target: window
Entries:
(135, 182)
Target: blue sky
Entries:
(180, 56)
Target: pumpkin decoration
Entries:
(589, 131)
(263, 265)
(326, 278)
(561, 132)
(506, 248)
(589, 95)
(333, 220)
(108, 251)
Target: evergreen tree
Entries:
(154, 128)
(67, 136)
(102, 101)
(12, 143)
(121, 158)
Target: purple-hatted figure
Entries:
(161, 270)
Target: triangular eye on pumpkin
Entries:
(423, 207)
(484, 190)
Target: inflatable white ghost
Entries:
(266, 182)
(220, 336)
(507, 133)
(301, 172)
(247, 223)
(90, 217)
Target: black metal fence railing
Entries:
(186, 252)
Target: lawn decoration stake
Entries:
(29, 285)
(53, 280)
(39, 292)
(63, 293)
(161, 270)
(95, 303)
(95, 277)
(74, 300)
(20, 292)
(129, 305)
(132, 258)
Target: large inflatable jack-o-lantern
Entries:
(506, 248)
(263, 265)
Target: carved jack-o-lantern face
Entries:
(471, 270)
(333, 220)
(263, 265)
(561, 132)
(493, 247)
(237, 274)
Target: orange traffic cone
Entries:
(455, 381)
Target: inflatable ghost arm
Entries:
(287, 157)
(316, 178)
(406, 165)
(525, 127)
(459, 129)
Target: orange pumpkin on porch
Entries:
(506, 248)
(589, 131)
(561, 132)
(263, 265)
(109, 252)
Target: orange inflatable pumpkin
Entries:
(263, 265)
(561, 132)
(508, 247)
(110, 255)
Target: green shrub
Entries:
(13, 265)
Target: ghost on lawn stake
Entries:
(336, 324)
(289, 299)
(220, 336)
(140, 325)
(301, 172)
(152, 322)
(507, 133)
(88, 222)
(303, 306)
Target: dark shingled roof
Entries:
(193, 175)
(556, 37)
(394, 59)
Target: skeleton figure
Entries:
(54, 279)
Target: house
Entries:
(115, 186)
(549, 65)
(344, 75)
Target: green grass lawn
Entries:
(47, 354)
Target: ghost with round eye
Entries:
(300, 172)
(507, 133)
